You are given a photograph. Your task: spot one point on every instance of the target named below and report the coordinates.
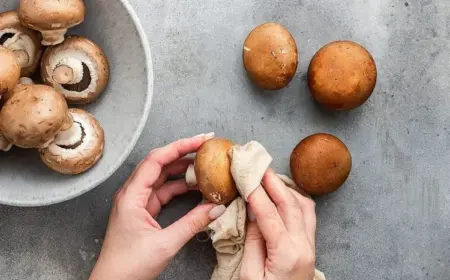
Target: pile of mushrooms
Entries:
(42, 72)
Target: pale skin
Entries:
(280, 243)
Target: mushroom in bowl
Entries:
(33, 116)
(76, 150)
(51, 17)
(23, 42)
(9, 71)
(77, 68)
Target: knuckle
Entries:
(253, 236)
(195, 226)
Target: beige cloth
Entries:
(248, 166)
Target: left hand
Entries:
(135, 245)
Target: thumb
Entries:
(192, 223)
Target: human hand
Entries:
(135, 245)
(280, 241)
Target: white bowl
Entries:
(122, 110)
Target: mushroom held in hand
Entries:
(320, 164)
(51, 17)
(24, 42)
(33, 115)
(77, 149)
(77, 68)
(270, 56)
(212, 171)
(9, 70)
(342, 75)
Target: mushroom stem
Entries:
(68, 122)
(26, 81)
(22, 57)
(63, 74)
(191, 179)
(52, 37)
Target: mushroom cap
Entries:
(90, 54)
(33, 115)
(212, 171)
(73, 160)
(320, 164)
(9, 70)
(10, 21)
(51, 14)
(342, 75)
(270, 56)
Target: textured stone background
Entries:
(390, 221)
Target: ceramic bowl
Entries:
(122, 110)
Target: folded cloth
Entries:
(248, 166)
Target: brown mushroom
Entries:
(320, 164)
(33, 116)
(342, 75)
(77, 68)
(9, 70)
(212, 171)
(78, 149)
(24, 42)
(51, 17)
(270, 56)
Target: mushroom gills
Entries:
(5, 37)
(72, 138)
(83, 84)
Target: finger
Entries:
(173, 169)
(164, 195)
(254, 254)
(287, 205)
(151, 167)
(267, 217)
(308, 207)
(180, 232)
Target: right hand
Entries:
(280, 241)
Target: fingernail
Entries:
(200, 135)
(250, 214)
(217, 211)
(210, 135)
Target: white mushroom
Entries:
(33, 116)
(24, 42)
(77, 68)
(78, 149)
(9, 71)
(51, 17)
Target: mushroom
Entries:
(342, 75)
(33, 116)
(24, 42)
(9, 70)
(270, 56)
(78, 149)
(212, 172)
(320, 164)
(77, 68)
(51, 17)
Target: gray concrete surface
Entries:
(390, 221)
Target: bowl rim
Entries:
(137, 134)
